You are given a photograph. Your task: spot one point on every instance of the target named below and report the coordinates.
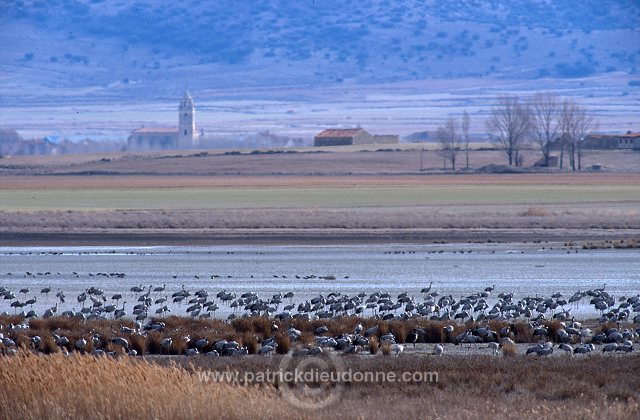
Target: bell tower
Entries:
(187, 138)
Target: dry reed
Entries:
(37, 387)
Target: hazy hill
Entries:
(154, 48)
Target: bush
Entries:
(386, 348)
(374, 344)
(536, 212)
(249, 341)
(509, 350)
(284, 343)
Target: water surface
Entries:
(454, 269)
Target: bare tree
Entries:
(466, 122)
(545, 123)
(449, 141)
(510, 125)
(575, 123)
(584, 125)
(566, 121)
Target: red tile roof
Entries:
(340, 132)
(632, 135)
(155, 130)
(613, 137)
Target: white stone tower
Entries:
(187, 138)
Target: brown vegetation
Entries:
(509, 350)
(374, 345)
(284, 343)
(52, 387)
(536, 212)
(486, 216)
(617, 244)
(248, 332)
(515, 387)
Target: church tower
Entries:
(187, 138)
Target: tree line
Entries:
(512, 124)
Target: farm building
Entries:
(600, 141)
(349, 136)
(612, 141)
(629, 141)
(606, 142)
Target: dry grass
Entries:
(553, 328)
(509, 350)
(511, 387)
(399, 330)
(250, 342)
(258, 326)
(536, 212)
(619, 221)
(433, 216)
(522, 332)
(617, 244)
(49, 387)
(284, 343)
(374, 345)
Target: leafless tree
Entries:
(584, 126)
(510, 125)
(575, 124)
(566, 120)
(466, 122)
(449, 141)
(545, 123)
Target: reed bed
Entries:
(248, 332)
(51, 387)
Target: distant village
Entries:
(185, 136)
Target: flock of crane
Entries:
(155, 301)
(152, 304)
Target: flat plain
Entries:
(348, 195)
(334, 197)
(378, 159)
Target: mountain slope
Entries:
(149, 47)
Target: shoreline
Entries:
(176, 237)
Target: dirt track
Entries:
(189, 181)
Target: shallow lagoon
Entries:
(454, 269)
